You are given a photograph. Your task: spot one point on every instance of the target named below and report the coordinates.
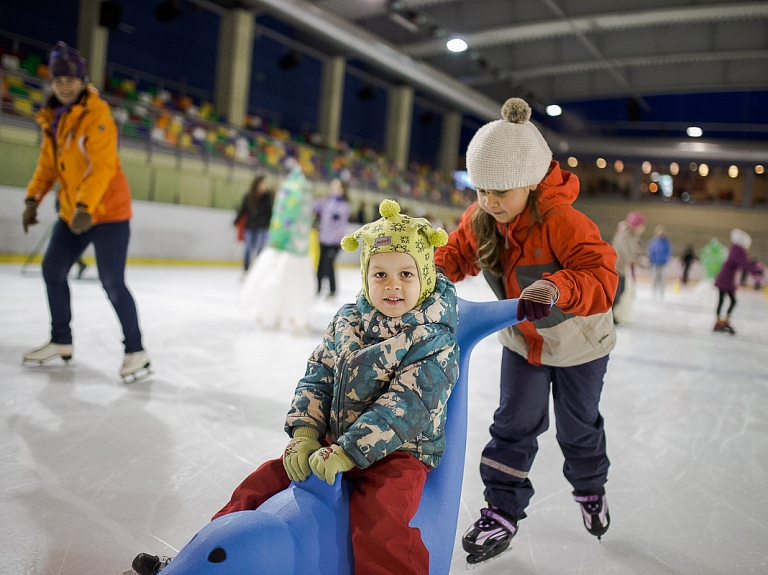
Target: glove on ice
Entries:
(329, 461)
(298, 450)
(81, 222)
(536, 300)
(29, 217)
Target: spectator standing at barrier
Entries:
(686, 260)
(529, 242)
(255, 212)
(725, 282)
(372, 401)
(332, 216)
(626, 242)
(79, 150)
(659, 253)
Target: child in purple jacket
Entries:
(332, 215)
(725, 282)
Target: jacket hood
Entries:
(558, 188)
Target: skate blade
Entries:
(38, 362)
(476, 559)
(143, 373)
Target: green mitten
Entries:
(298, 450)
(328, 461)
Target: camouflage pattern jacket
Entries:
(377, 384)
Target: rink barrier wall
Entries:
(167, 234)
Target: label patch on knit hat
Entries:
(382, 241)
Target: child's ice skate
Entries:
(135, 366)
(594, 511)
(724, 326)
(146, 564)
(47, 352)
(490, 535)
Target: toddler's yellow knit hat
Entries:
(396, 232)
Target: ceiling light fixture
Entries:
(554, 110)
(456, 45)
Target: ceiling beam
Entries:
(359, 43)
(581, 67)
(595, 23)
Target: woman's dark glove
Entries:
(29, 217)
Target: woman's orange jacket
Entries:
(84, 160)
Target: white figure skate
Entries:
(135, 366)
(47, 352)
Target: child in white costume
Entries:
(278, 292)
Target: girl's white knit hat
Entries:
(508, 153)
(741, 238)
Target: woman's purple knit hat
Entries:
(66, 61)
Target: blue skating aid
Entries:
(298, 531)
(305, 529)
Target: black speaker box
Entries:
(109, 14)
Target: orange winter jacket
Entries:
(84, 160)
(567, 250)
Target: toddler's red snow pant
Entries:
(384, 499)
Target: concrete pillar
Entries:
(749, 187)
(92, 41)
(450, 136)
(331, 99)
(397, 138)
(233, 65)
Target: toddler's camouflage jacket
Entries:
(377, 384)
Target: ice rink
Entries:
(93, 471)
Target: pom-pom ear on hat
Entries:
(508, 153)
(349, 244)
(396, 232)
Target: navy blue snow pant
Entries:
(110, 241)
(523, 415)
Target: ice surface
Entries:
(93, 472)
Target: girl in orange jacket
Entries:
(79, 151)
(529, 242)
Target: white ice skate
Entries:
(135, 366)
(47, 352)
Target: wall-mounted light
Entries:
(733, 171)
(703, 170)
(759, 169)
(573, 162)
(694, 132)
(600, 163)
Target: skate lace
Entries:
(490, 519)
(591, 503)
